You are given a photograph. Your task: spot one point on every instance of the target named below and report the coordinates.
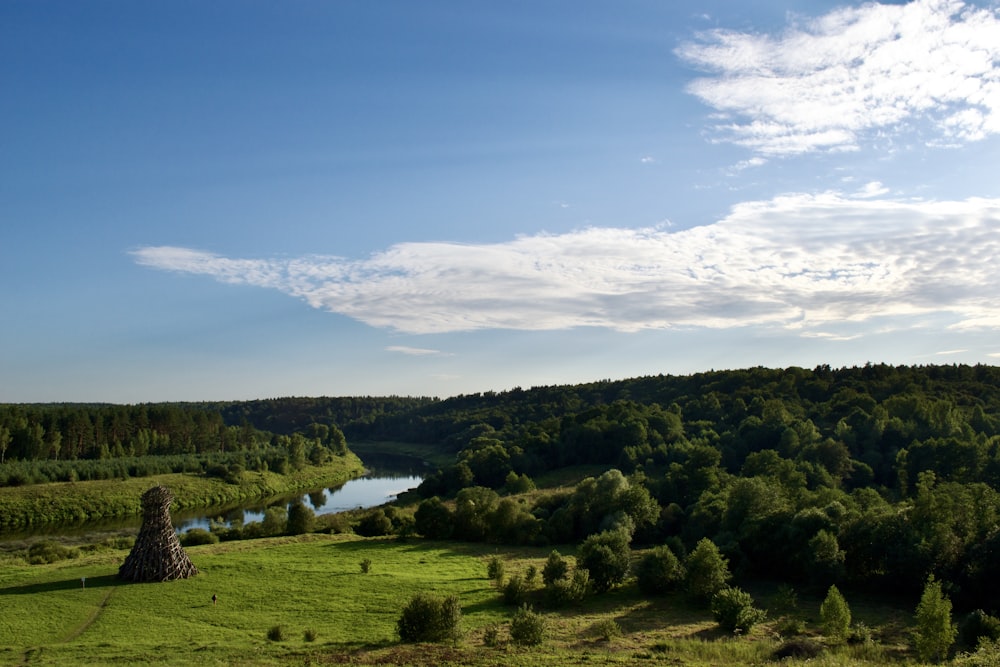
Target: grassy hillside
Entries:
(315, 583)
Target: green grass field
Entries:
(315, 583)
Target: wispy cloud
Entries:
(797, 261)
(413, 351)
(830, 83)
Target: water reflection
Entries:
(369, 491)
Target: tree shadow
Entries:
(103, 581)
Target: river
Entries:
(384, 479)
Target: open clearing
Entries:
(315, 583)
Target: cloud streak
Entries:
(834, 82)
(796, 261)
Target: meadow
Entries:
(329, 611)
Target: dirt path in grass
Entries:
(77, 631)
(94, 615)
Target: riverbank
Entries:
(77, 502)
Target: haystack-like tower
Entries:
(157, 554)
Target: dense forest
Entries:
(873, 476)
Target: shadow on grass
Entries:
(103, 581)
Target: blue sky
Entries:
(236, 200)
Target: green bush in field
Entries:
(572, 590)
(835, 614)
(374, 523)
(607, 557)
(50, 551)
(495, 570)
(301, 519)
(515, 591)
(706, 571)
(556, 567)
(935, 632)
(659, 572)
(527, 627)
(608, 629)
(978, 625)
(195, 536)
(733, 610)
(276, 633)
(426, 618)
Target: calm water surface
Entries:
(387, 477)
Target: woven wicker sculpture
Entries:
(157, 554)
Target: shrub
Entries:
(276, 633)
(977, 625)
(515, 591)
(607, 557)
(433, 519)
(366, 565)
(491, 635)
(860, 634)
(706, 571)
(309, 635)
(301, 519)
(426, 618)
(275, 521)
(565, 591)
(935, 632)
(495, 570)
(374, 523)
(986, 655)
(527, 627)
(607, 629)
(195, 536)
(555, 568)
(733, 609)
(659, 572)
(835, 615)
(50, 551)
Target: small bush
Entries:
(374, 523)
(515, 591)
(491, 635)
(50, 551)
(659, 572)
(607, 629)
(276, 634)
(556, 568)
(835, 615)
(789, 626)
(195, 536)
(569, 591)
(860, 634)
(426, 618)
(977, 625)
(733, 609)
(366, 565)
(495, 570)
(527, 627)
(309, 635)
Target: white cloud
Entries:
(833, 81)
(647, 159)
(413, 351)
(873, 189)
(797, 261)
